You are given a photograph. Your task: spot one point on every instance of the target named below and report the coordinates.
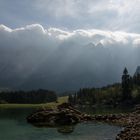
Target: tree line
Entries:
(31, 97)
(126, 92)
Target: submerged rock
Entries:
(66, 129)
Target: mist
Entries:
(33, 57)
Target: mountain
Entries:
(66, 64)
(137, 71)
(69, 67)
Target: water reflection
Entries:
(66, 129)
(13, 126)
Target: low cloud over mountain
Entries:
(34, 57)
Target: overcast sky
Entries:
(113, 15)
(67, 44)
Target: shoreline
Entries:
(65, 114)
(129, 121)
(49, 105)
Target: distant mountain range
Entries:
(33, 58)
(66, 68)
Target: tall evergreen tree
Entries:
(126, 85)
(136, 77)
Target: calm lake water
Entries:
(13, 126)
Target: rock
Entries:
(66, 129)
(63, 115)
(132, 126)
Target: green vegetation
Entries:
(28, 97)
(125, 93)
(127, 85)
(110, 95)
(121, 94)
(49, 105)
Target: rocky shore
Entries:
(65, 114)
(131, 129)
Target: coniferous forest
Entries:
(28, 97)
(125, 93)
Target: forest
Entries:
(125, 93)
(28, 97)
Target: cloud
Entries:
(136, 42)
(99, 14)
(73, 14)
(36, 57)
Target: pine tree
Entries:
(126, 85)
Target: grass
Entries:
(49, 105)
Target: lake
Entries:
(13, 126)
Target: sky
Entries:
(113, 15)
(67, 44)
